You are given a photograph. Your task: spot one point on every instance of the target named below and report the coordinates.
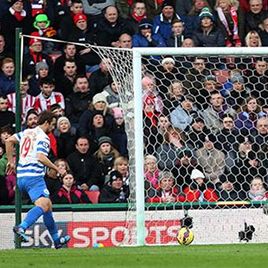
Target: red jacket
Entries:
(193, 195)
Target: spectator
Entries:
(114, 191)
(34, 56)
(196, 133)
(165, 74)
(27, 101)
(183, 115)
(188, 42)
(48, 97)
(238, 93)
(93, 9)
(66, 23)
(231, 19)
(66, 137)
(42, 24)
(7, 118)
(84, 166)
(105, 156)
(150, 91)
(111, 92)
(69, 53)
(253, 39)
(229, 189)
(121, 165)
(41, 71)
(211, 159)
(213, 115)
(52, 179)
(167, 191)
(16, 17)
(162, 22)
(7, 76)
(195, 75)
(69, 193)
(257, 190)
(168, 153)
(101, 78)
(247, 118)
(263, 32)
(145, 37)
(151, 171)
(208, 35)
(257, 80)
(137, 15)
(118, 133)
(78, 101)
(178, 34)
(227, 140)
(66, 80)
(4, 50)
(124, 41)
(174, 96)
(192, 16)
(200, 189)
(99, 106)
(254, 16)
(110, 27)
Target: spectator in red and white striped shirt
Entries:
(27, 101)
(47, 97)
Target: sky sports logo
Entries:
(109, 233)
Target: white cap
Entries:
(197, 174)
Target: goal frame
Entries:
(138, 53)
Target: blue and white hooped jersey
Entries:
(32, 142)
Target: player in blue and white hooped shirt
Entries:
(34, 148)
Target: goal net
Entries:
(197, 127)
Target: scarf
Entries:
(18, 15)
(138, 18)
(234, 17)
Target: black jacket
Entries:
(111, 195)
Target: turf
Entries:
(216, 256)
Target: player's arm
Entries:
(10, 143)
(42, 158)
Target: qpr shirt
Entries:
(32, 142)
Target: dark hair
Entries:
(76, 2)
(228, 115)
(7, 129)
(45, 116)
(47, 80)
(69, 60)
(55, 106)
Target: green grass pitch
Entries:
(211, 256)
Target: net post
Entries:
(138, 123)
(18, 63)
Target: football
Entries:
(185, 236)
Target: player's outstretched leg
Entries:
(32, 216)
(53, 230)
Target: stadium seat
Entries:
(93, 196)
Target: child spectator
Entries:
(200, 189)
(42, 24)
(69, 193)
(231, 20)
(105, 156)
(121, 164)
(178, 35)
(257, 190)
(263, 31)
(115, 191)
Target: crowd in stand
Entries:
(205, 119)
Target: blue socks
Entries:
(51, 226)
(32, 217)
